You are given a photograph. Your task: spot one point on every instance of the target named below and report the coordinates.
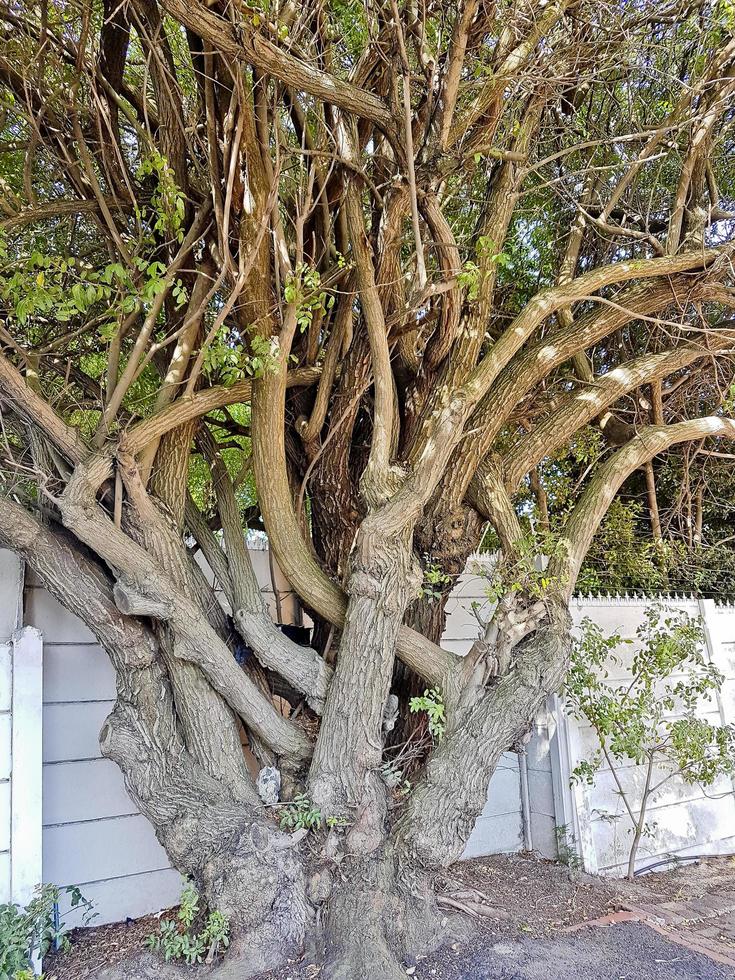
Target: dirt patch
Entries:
(92, 949)
(715, 876)
(506, 898)
(525, 895)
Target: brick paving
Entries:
(702, 923)
(700, 915)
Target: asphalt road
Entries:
(628, 951)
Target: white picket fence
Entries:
(65, 815)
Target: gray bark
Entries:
(345, 773)
(442, 809)
(371, 891)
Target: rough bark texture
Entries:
(251, 277)
(345, 773)
(442, 810)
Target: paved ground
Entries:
(627, 951)
(700, 916)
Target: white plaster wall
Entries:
(5, 771)
(499, 828)
(6, 763)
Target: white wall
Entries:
(93, 835)
(10, 570)
(20, 741)
(499, 827)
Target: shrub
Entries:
(177, 938)
(655, 718)
(32, 931)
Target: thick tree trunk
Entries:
(345, 775)
(381, 917)
(361, 895)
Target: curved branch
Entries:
(548, 301)
(582, 406)
(195, 640)
(493, 89)
(300, 666)
(253, 48)
(59, 209)
(450, 81)
(490, 497)
(144, 702)
(538, 360)
(376, 475)
(185, 409)
(295, 559)
(592, 506)
(33, 407)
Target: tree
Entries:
(354, 272)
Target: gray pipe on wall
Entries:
(525, 801)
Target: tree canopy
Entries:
(392, 282)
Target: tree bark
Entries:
(442, 809)
(345, 773)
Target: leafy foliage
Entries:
(655, 719)
(432, 702)
(524, 569)
(301, 814)
(179, 940)
(226, 360)
(304, 290)
(34, 930)
(168, 202)
(435, 580)
(622, 557)
(566, 846)
(471, 276)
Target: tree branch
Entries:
(33, 407)
(197, 641)
(592, 506)
(291, 551)
(548, 301)
(582, 406)
(300, 666)
(257, 50)
(183, 410)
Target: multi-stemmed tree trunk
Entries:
(353, 273)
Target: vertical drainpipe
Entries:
(274, 584)
(525, 800)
